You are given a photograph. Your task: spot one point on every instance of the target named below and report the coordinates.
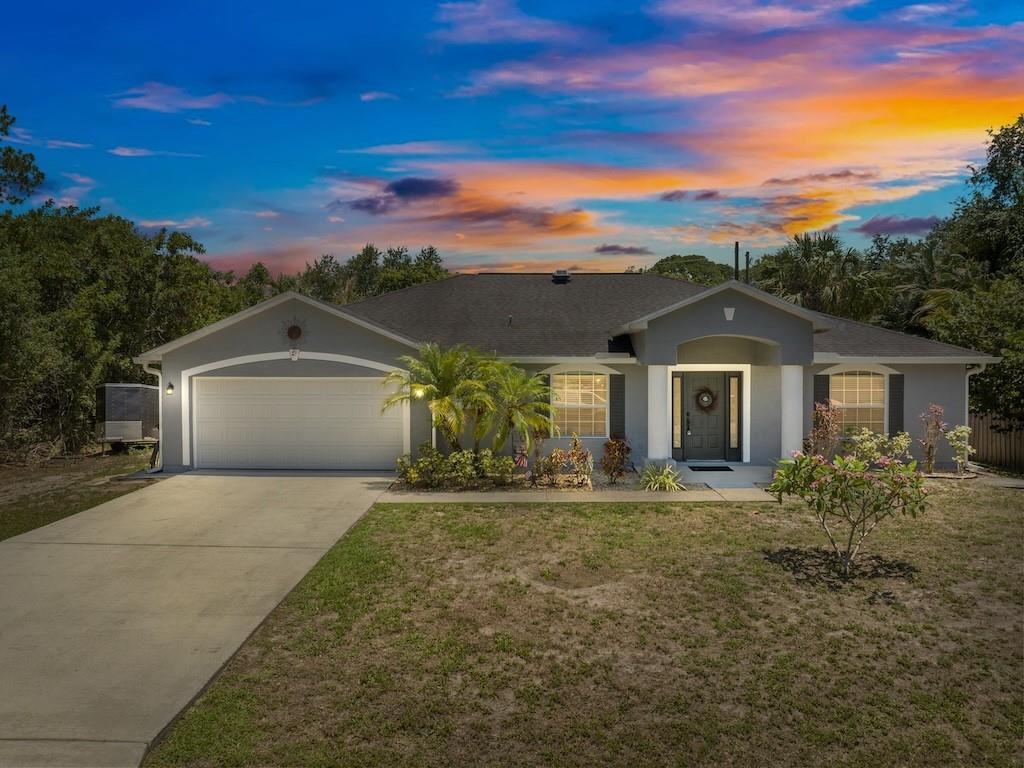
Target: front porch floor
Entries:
(738, 475)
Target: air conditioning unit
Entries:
(126, 412)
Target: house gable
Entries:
(728, 311)
(290, 301)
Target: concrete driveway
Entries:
(113, 619)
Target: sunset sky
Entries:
(511, 135)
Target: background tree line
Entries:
(962, 283)
(81, 293)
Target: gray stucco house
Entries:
(685, 372)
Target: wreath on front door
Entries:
(706, 399)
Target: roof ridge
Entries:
(365, 299)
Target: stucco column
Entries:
(659, 430)
(792, 409)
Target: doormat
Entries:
(693, 468)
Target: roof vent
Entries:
(560, 276)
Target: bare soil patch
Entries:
(33, 496)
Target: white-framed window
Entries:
(580, 399)
(860, 398)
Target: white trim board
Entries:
(555, 360)
(188, 414)
(580, 368)
(823, 358)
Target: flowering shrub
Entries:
(615, 458)
(459, 470)
(848, 500)
(959, 440)
(870, 447)
(825, 430)
(934, 429)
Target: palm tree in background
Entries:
(925, 277)
(818, 272)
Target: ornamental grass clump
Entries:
(848, 498)
(660, 478)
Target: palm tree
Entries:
(818, 272)
(926, 277)
(524, 406)
(447, 379)
(481, 401)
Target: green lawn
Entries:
(633, 635)
(31, 497)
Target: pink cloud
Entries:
(377, 96)
(493, 21)
(412, 148)
(193, 222)
(756, 14)
(62, 144)
(160, 97)
(143, 152)
(71, 194)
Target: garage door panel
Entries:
(253, 423)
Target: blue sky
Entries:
(512, 135)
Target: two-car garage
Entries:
(295, 423)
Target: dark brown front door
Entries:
(699, 408)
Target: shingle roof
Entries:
(574, 319)
(850, 338)
(547, 319)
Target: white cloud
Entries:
(377, 96)
(62, 144)
(194, 222)
(144, 152)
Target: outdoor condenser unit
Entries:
(127, 412)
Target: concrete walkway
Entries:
(540, 495)
(113, 619)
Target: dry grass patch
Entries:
(34, 496)
(631, 634)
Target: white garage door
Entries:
(295, 423)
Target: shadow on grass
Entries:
(822, 567)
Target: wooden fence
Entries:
(999, 449)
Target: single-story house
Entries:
(683, 371)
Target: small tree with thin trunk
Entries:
(848, 500)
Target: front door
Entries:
(699, 411)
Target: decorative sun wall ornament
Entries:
(706, 399)
(293, 330)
